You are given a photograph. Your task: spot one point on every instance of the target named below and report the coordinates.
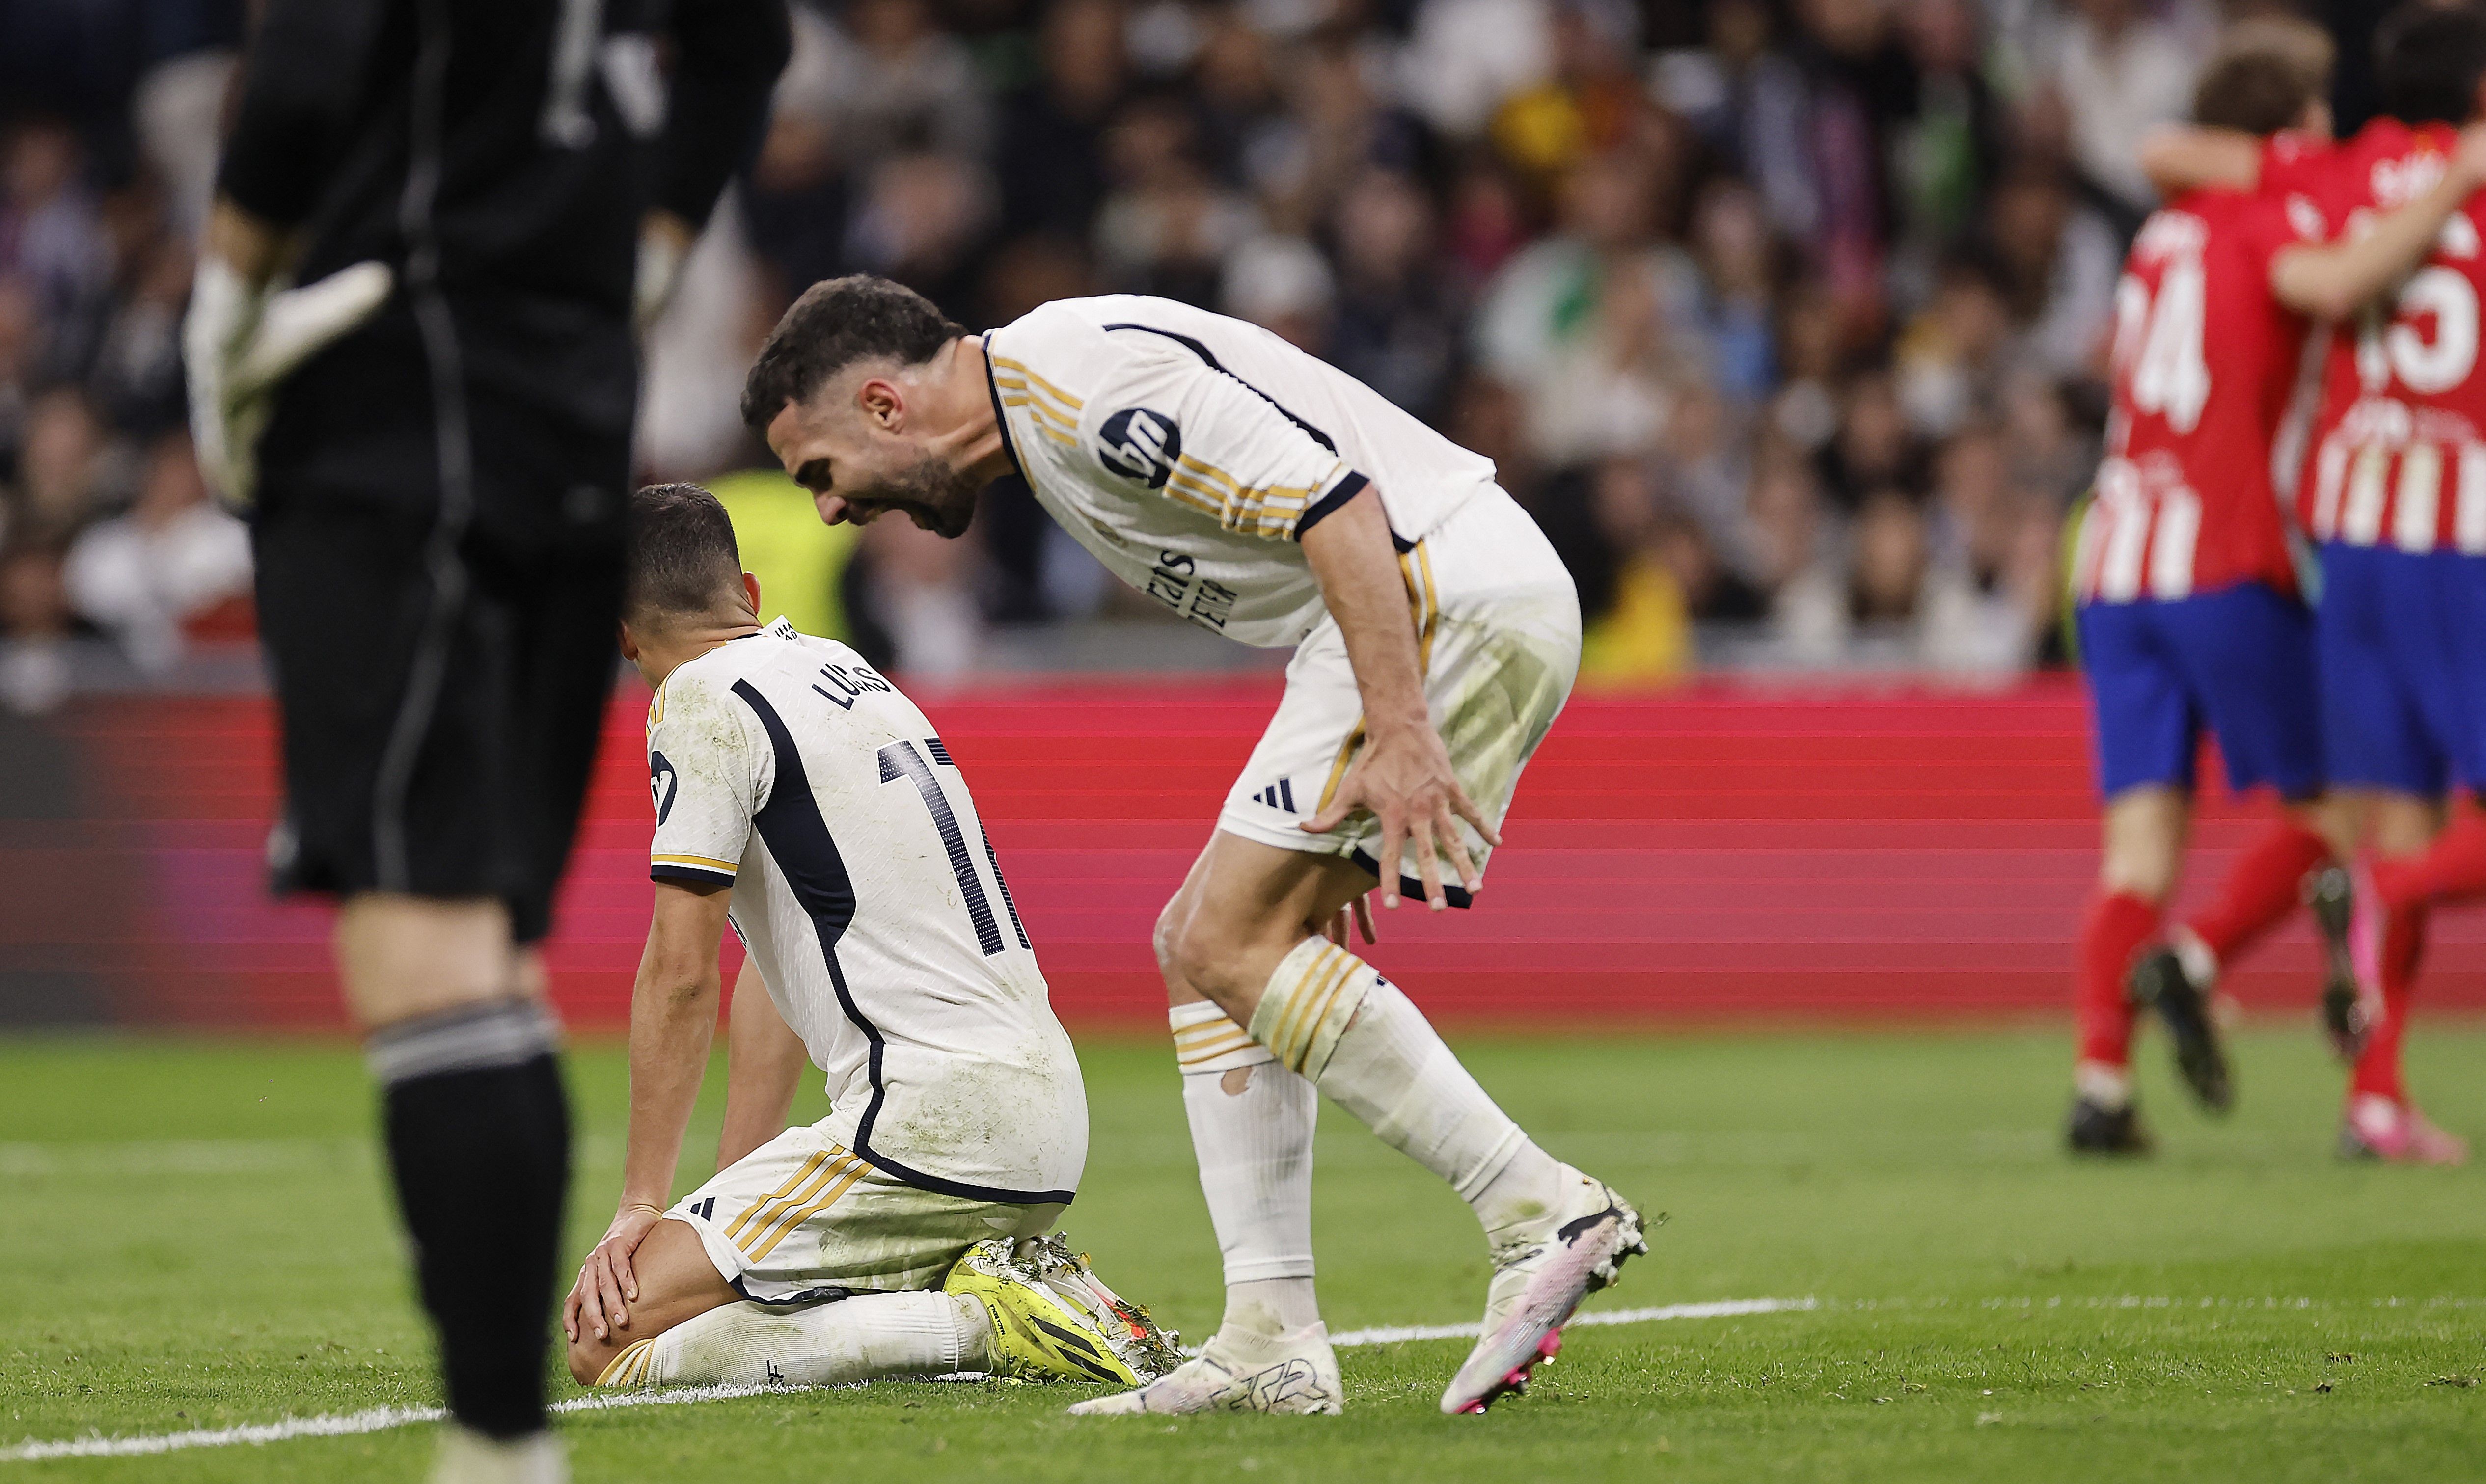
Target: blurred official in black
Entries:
(412, 359)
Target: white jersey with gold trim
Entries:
(873, 906)
(1190, 451)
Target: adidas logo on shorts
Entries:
(1278, 795)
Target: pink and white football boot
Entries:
(1538, 1279)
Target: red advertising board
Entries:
(1721, 854)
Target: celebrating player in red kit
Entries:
(2396, 494)
(2189, 613)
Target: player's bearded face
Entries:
(926, 491)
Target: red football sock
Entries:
(2117, 923)
(2378, 1069)
(2265, 883)
(2451, 869)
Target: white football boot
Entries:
(1239, 1370)
(1539, 1276)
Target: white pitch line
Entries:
(1720, 1310)
(383, 1418)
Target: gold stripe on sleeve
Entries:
(705, 863)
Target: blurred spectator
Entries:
(51, 236)
(60, 466)
(1950, 359)
(1639, 627)
(912, 590)
(1731, 241)
(893, 81)
(1875, 447)
(2059, 261)
(1750, 101)
(1591, 324)
(1168, 225)
(1466, 56)
(2123, 71)
(174, 561)
(1393, 327)
(34, 620)
(1948, 148)
(1051, 161)
(1281, 284)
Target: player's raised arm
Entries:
(2334, 280)
(1403, 774)
(2180, 158)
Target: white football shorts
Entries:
(801, 1220)
(1498, 631)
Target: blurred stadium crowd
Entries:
(1786, 318)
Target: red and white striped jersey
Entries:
(2398, 456)
(2204, 364)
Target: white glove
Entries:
(238, 342)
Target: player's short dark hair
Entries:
(683, 552)
(837, 322)
(2263, 76)
(2427, 60)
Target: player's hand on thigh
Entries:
(1404, 779)
(600, 1301)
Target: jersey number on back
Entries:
(900, 759)
(2161, 343)
(2428, 366)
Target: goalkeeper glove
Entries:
(239, 340)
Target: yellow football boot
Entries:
(1037, 1334)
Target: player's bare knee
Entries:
(589, 1356)
(1203, 951)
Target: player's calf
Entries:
(478, 1135)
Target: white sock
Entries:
(1252, 1129)
(867, 1337)
(1329, 1016)
(2200, 964)
(2107, 1086)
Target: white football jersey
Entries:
(1190, 451)
(873, 906)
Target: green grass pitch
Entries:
(194, 1236)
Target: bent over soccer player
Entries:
(1266, 496)
(2185, 579)
(799, 795)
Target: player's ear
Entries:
(629, 642)
(883, 404)
(751, 591)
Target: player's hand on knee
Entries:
(600, 1302)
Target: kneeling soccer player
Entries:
(800, 796)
